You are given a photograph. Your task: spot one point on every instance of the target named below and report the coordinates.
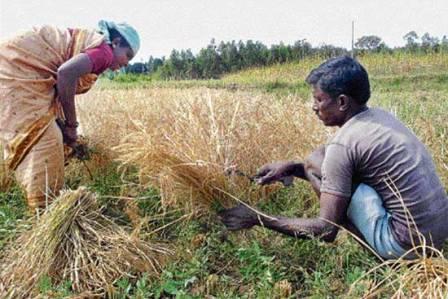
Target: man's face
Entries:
(326, 108)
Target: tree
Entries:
(411, 39)
(279, 53)
(209, 61)
(444, 43)
(328, 51)
(444, 40)
(429, 42)
(176, 65)
(137, 68)
(154, 64)
(230, 56)
(191, 68)
(301, 49)
(368, 42)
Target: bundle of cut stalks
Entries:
(195, 144)
(73, 241)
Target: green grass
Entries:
(12, 210)
(211, 261)
(223, 264)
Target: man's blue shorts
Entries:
(367, 213)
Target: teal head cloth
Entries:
(126, 31)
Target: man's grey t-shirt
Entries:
(375, 148)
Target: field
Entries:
(166, 157)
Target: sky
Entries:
(164, 25)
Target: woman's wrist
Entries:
(69, 124)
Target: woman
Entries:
(40, 73)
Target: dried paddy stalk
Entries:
(193, 143)
(425, 277)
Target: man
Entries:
(375, 178)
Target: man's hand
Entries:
(276, 172)
(239, 217)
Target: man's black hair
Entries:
(113, 33)
(342, 75)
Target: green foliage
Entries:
(12, 210)
(47, 288)
(123, 288)
(368, 42)
(45, 284)
(255, 267)
(215, 60)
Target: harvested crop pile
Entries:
(73, 241)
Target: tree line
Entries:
(218, 59)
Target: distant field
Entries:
(168, 145)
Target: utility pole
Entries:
(353, 39)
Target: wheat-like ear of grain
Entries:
(73, 241)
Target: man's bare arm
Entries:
(333, 210)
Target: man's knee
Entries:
(312, 167)
(313, 163)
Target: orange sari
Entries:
(31, 140)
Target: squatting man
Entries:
(375, 178)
